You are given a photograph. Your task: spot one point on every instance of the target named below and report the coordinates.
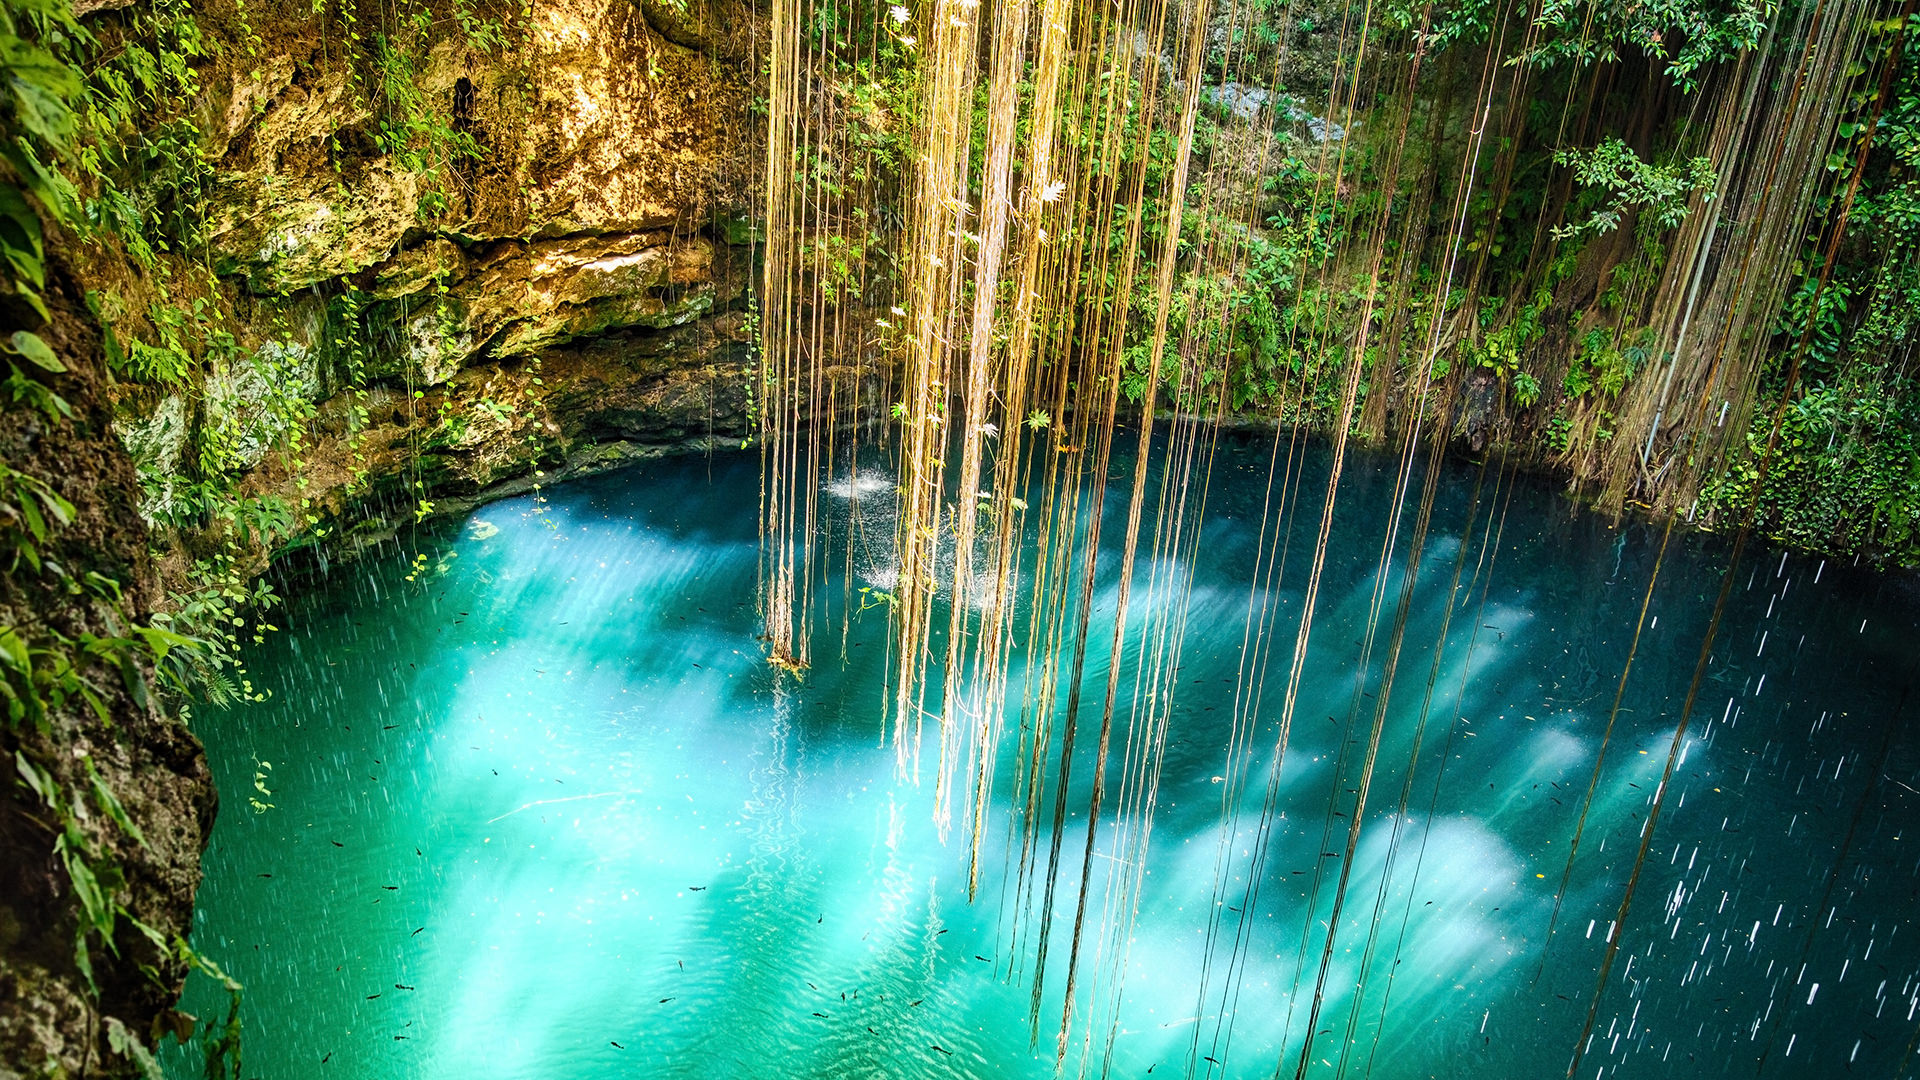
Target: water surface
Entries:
(538, 808)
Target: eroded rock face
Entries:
(611, 157)
(49, 1024)
(592, 406)
(512, 299)
(591, 124)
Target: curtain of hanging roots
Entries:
(1035, 300)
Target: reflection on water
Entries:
(546, 812)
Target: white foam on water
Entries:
(859, 484)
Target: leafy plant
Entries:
(30, 511)
(1526, 389)
(1688, 35)
(1623, 183)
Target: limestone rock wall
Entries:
(615, 160)
(51, 1023)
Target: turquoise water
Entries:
(545, 812)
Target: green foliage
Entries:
(1844, 474)
(866, 66)
(156, 365)
(198, 650)
(30, 511)
(1605, 364)
(23, 245)
(37, 132)
(1559, 433)
(95, 877)
(39, 83)
(22, 387)
(41, 680)
(169, 362)
(37, 110)
(1687, 35)
(835, 263)
(1623, 182)
(1243, 305)
(1437, 26)
(1503, 348)
(51, 118)
(1684, 37)
(142, 155)
(1526, 389)
(1826, 311)
(1844, 471)
(252, 404)
(480, 33)
(412, 131)
(262, 772)
(38, 128)
(384, 75)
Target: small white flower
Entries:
(898, 12)
(1053, 191)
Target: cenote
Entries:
(527, 800)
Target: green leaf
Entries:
(86, 886)
(99, 707)
(110, 803)
(36, 525)
(33, 300)
(160, 942)
(13, 652)
(49, 185)
(128, 1045)
(161, 642)
(33, 348)
(61, 509)
(43, 87)
(21, 236)
(37, 779)
(81, 958)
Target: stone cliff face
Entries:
(580, 279)
(408, 336)
(50, 1026)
